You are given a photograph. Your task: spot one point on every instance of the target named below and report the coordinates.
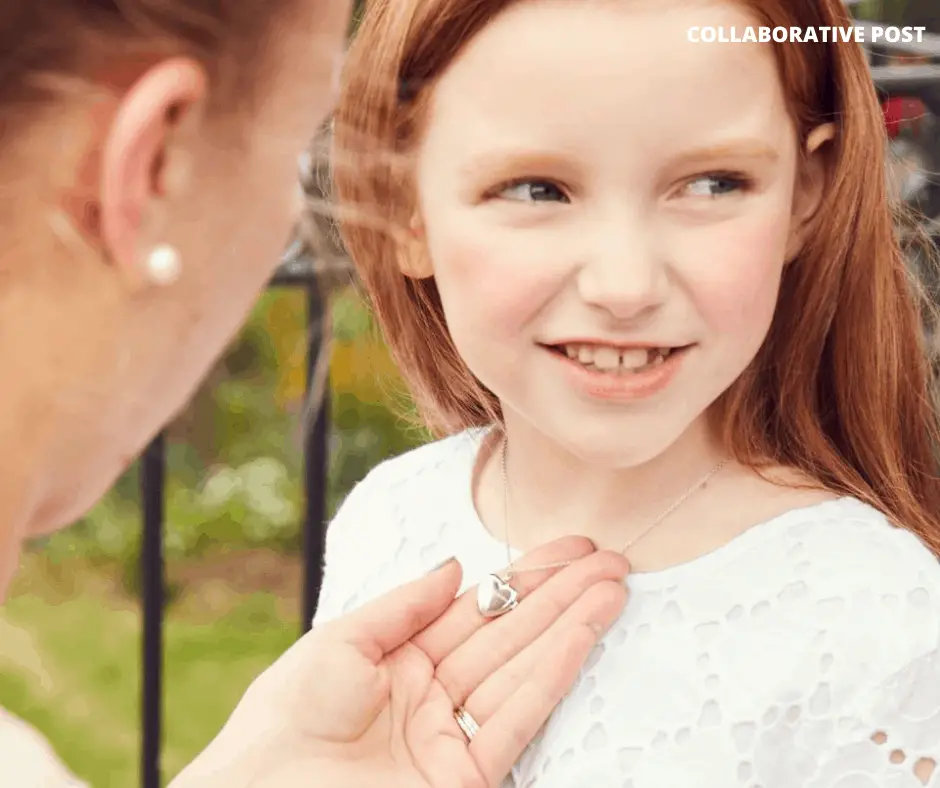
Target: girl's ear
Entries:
(811, 179)
(413, 260)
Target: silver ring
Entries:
(495, 597)
(467, 724)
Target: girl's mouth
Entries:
(613, 360)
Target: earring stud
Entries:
(164, 264)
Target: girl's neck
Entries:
(553, 493)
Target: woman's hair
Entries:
(47, 46)
(840, 389)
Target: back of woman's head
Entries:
(839, 387)
(54, 44)
(149, 164)
(63, 61)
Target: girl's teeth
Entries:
(637, 357)
(606, 358)
(611, 359)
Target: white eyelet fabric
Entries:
(803, 654)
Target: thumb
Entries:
(340, 707)
(384, 624)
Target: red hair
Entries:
(840, 389)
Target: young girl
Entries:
(648, 290)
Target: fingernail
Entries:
(442, 564)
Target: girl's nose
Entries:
(623, 274)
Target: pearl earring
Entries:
(164, 264)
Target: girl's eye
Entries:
(532, 191)
(716, 185)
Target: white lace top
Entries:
(803, 654)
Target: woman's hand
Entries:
(368, 700)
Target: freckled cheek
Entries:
(733, 273)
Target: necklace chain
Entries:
(627, 545)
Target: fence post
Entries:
(296, 270)
(153, 485)
(316, 473)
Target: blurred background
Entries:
(70, 634)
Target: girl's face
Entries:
(593, 184)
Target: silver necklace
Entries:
(495, 596)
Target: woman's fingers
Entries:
(348, 649)
(505, 733)
(384, 624)
(494, 645)
(597, 604)
(463, 619)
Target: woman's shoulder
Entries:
(27, 759)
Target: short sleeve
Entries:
(888, 734)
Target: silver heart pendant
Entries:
(495, 596)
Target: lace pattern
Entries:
(805, 653)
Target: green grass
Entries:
(71, 667)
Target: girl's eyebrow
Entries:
(503, 162)
(513, 160)
(746, 148)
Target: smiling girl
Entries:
(648, 291)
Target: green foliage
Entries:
(87, 702)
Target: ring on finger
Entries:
(467, 724)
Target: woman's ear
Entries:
(814, 166)
(140, 166)
(414, 260)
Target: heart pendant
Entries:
(495, 596)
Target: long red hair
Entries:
(840, 389)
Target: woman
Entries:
(149, 164)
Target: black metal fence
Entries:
(921, 81)
(294, 272)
